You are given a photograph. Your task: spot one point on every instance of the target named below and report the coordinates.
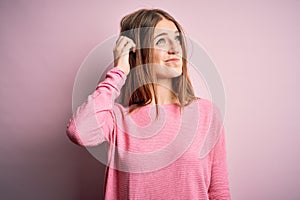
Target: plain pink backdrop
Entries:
(254, 44)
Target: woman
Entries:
(160, 161)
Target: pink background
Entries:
(254, 44)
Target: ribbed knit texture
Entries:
(176, 157)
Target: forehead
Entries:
(165, 26)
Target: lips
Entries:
(173, 60)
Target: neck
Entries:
(165, 94)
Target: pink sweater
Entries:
(179, 156)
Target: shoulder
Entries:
(204, 104)
(123, 110)
(119, 107)
(209, 108)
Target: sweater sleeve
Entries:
(219, 185)
(92, 123)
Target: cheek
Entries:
(158, 56)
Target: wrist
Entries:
(123, 69)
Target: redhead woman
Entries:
(164, 142)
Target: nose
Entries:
(173, 47)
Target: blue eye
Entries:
(159, 41)
(178, 38)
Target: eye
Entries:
(178, 38)
(160, 41)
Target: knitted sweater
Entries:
(181, 155)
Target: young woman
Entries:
(160, 160)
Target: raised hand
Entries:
(121, 53)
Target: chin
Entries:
(169, 73)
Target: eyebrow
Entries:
(164, 33)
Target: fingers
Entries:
(124, 43)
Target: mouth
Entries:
(173, 60)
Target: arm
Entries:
(219, 186)
(92, 123)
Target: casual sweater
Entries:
(181, 155)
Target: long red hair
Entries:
(136, 92)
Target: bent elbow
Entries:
(84, 133)
(72, 134)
